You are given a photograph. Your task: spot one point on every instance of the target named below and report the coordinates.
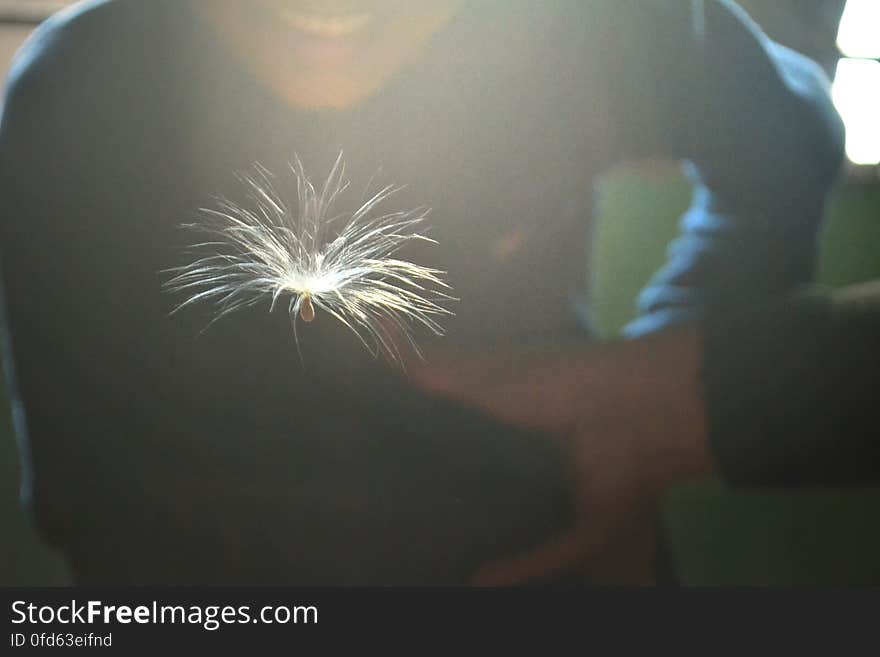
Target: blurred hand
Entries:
(632, 417)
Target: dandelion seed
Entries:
(314, 260)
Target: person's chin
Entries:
(334, 42)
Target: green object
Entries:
(720, 536)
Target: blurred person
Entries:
(153, 454)
(808, 26)
(783, 394)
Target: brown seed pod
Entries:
(307, 310)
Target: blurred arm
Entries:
(791, 390)
(762, 144)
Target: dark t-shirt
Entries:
(156, 453)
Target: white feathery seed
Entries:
(314, 259)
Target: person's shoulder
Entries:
(88, 41)
(60, 41)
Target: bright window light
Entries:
(856, 89)
(856, 94)
(859, 32)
